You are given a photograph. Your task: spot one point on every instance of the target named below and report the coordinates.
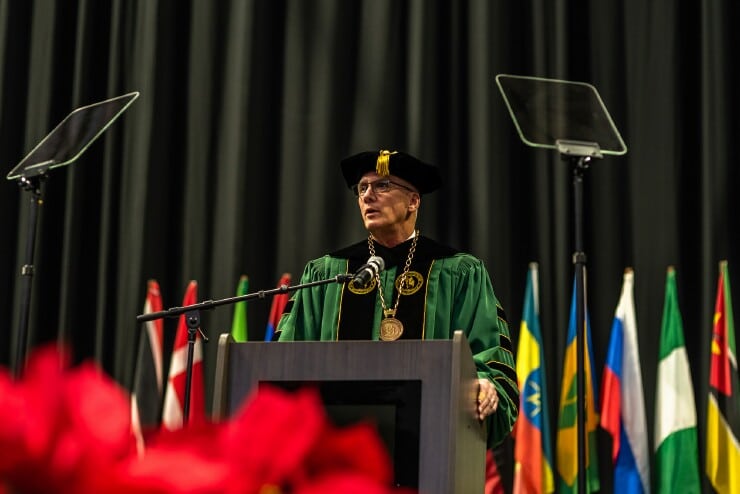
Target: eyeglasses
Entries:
(380, 186)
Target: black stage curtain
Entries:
(228, 162)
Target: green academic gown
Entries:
(445, 290)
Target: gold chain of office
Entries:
(391, 328)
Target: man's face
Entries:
(383, 210)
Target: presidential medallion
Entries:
(390, 329)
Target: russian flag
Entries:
(623, 404)
(532, 450)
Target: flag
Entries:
(174, 397)
(676, 443)
(239, 321)
(723, 407)
(622, 401)
(279, 302)
(532, 449)
(567, 438)
(146, 396)
(494, 483)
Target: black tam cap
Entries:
(425, 177)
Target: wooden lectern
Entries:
(430, 385)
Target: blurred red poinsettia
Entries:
(67, 429)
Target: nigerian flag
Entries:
(676, 443)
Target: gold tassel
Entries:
(382, 165)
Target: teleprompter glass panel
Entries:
(68, 140)
(546, 111)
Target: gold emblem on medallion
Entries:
(411, 284)
(361, 290)
(390, 329)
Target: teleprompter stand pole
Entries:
(579, 262)
(579, 154)
(192, 318)
(32, 185)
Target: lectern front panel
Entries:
(393, 406)
(451, 441)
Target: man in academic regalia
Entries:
(426, 291)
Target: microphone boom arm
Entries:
(210, 304)
(192, 318)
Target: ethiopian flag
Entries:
(532, 449)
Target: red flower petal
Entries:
(272, 434)
(355, 449)
(69, 431)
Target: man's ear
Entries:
(415, 202)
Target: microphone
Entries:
(367, 272)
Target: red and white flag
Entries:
(174, 397)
